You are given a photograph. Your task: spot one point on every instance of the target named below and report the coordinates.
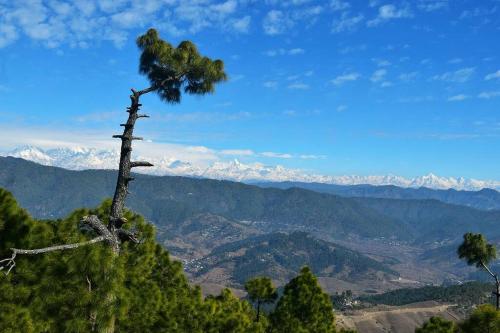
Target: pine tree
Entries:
(485, 319)
(227, 314)
(261, 291)
(437, 325)
(477, 251)
(64, 291)
(303, 307)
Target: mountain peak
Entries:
(79, 158)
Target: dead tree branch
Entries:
(10, 263)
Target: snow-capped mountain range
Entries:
(90, 158)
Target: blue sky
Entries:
(331, 87)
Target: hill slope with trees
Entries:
(281, 256)
(486, 199)
(65, 291)
(49, 192)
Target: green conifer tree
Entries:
(477, 251)
(261, 291)
(227, 314)
(437, 325)
(303, 307)
(485, 319)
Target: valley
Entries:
(225, 232)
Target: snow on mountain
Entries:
(90, 158)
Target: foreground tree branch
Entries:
(10, 262)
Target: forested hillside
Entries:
(280, 256)
(53, 192)
(467, 295)
(68, 291)
(49, 192)
(487, 199)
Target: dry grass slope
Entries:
(403, 319)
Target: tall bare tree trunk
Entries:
(116, 219)
(497, 293)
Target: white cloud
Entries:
(458, 76)
(341, 79)
(296, 51)
(489, 94)
(389, 12)
(8, 34)
(236, 77)
(458, 98)
(270, 84)
(290, 2)
(378, 75)
(338, 5)
(282, 51)
(241, 24)
(237, 152)
(306, 13)
(99, 116)
(341, 108)
(432, 5)
(225, 8)
(275, 155)
(346, 22)
(49, 138)
(407, 77)
(491, 76)
(276, 22)
(81, 23)
(381, 62)
(298, 86)
(312, 157)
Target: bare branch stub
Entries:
(10, 263)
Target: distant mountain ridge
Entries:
(487, 199)
(79, 158)
(50, 192)
(195, 216)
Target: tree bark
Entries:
(497, 285)
(116, 218)
(497, 294)
(258, 310)
(125, 167)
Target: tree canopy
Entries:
(476, 250)
(437, 325)
(172, 70)
(485, 319)
(65, 291)
(304, 307)
(261, 291)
